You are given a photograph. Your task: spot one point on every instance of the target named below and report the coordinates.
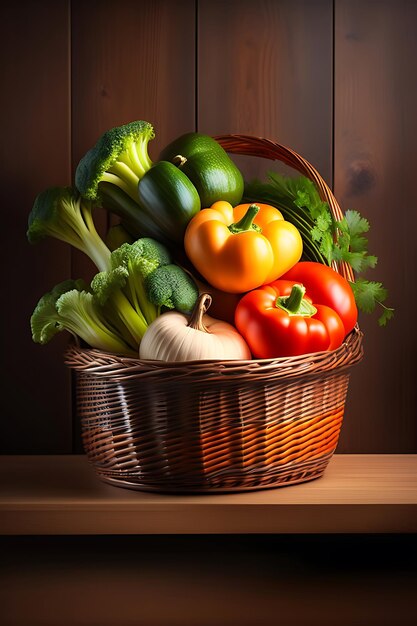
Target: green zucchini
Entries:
(208, 166)
(169, 198)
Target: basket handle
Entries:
(257, 146)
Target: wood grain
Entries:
(62, 495)
(375, 131)
(136, 63)
(265, 68)
(34, 155)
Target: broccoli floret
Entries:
(144, 255)
(140, 259)
(171, 287)
(69, 306)
(122, 286)
(120, 157)
(60, 212)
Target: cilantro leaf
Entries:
(324, 221)
(326, 245)
(368, 293)
(316, 233)
(387, 314)
(358, 243)
(356, 223)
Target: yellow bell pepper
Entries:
(239, 249)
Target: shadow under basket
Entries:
(216, 426)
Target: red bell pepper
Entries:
(287, 318)
(325, 286)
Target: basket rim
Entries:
(97, 362)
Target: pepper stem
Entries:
(295, 303)
(200, 308)
(246, 223)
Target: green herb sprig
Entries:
(325, 239)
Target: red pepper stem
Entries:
(295, 303)
(246, 223)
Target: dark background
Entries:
(336, 81)
(287, 580)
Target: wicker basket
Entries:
(215, 426)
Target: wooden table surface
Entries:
(61, 495)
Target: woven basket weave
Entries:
(209, 426)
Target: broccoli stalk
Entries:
(107, 288)
(69, 306)
(60, 212)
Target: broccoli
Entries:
(109, 174)
(119, 157)
(110, 171)
(69, 306)
(171, 287)
(116, 304)
(122, 286)
(60, 212)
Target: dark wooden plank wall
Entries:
(333, 80)
(35, 154)
(375, 158)
(265, 68)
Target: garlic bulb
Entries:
(175, 337)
